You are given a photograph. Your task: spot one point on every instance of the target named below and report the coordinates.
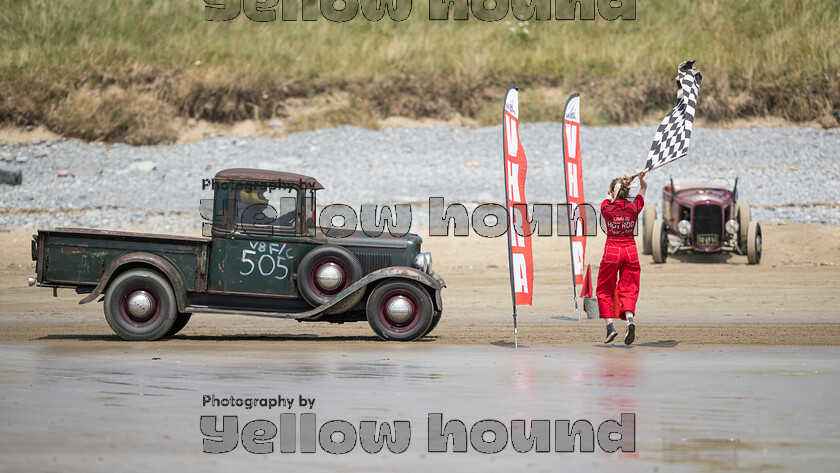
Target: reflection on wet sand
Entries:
(721, 407)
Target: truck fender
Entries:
(142, 260)
(433, 282)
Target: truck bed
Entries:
(79, 257)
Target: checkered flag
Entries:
(671, 140)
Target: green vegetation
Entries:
(124, 63)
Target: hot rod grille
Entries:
(372, 261)
(707, 220)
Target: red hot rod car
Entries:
(703, 216)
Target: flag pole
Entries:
(510, 252)
(510, 255)
(510, 222)
(572, 254)
(634, 176)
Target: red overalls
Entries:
(620, 257)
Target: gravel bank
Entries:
(786, 174)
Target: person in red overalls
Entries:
(620, 260)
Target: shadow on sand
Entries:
(620, 344)
(236, 338)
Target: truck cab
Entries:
(262, 223)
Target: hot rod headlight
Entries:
(684, 227)
(423, 262)
(732, 227)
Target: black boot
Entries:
(611, 333)
(631, 331)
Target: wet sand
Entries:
(134, 408)
(733, 368)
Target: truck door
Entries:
(262, 252)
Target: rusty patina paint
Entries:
(267, 177)
(148, 259)
(87, 257)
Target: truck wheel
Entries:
(435, 320)
(140, 305)
(325, 272)
(648, 219)
(744, 217)
(659, 242)
(180, 323)
(400, 310)
(754, 243)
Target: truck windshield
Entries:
(309, 211)
(266, 207)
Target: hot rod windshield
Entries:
(718, 183)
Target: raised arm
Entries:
(642, 184)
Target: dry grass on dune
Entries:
(121, 70)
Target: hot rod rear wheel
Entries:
(325, 272)
(659, 246)
(648, 219)
(400, 310)
(754, 243)
(140, 305)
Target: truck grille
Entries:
(371, 261)
(707, 222)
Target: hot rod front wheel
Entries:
(744, 218)
(648, 219)
(659, 242)
(754, 243)
(140, 305)
(400, 310)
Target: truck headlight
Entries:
(732, 227)
(423, 262)
(684, 227)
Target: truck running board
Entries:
(255, 313)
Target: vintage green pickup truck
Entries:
(263, 256)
